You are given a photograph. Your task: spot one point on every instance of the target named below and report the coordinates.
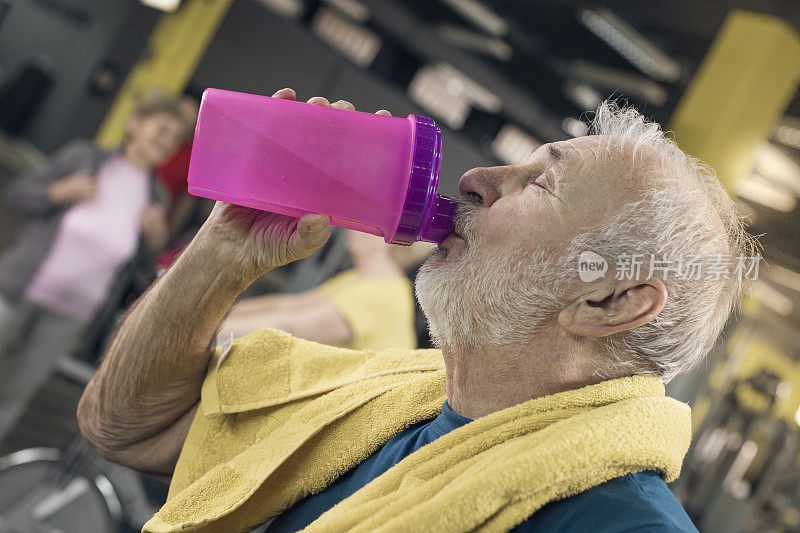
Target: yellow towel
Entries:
(282, 418)
(378, 309)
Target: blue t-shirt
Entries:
(636, 502)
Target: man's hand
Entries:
(74, 188)
(260, 241)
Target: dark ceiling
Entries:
(547, 34)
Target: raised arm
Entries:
(138, 407)
(61, 181)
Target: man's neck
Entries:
(486, 379)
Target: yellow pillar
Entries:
(742, 87)
(173, 51)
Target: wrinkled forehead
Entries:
(602, 149)
(619, 162)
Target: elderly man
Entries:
(543, 409)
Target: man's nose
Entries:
(483, 185)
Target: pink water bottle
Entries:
(367, 172)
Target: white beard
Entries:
(471, 300)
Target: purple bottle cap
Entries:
(426, 216)
(441, 220)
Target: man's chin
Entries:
(438, 255)
(454, 240)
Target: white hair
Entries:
(685, 213)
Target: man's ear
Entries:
(614, 307)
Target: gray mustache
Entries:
(465, 220)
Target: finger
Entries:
(312, 232)
(311, 224)
(383, 112)
(285, 94)
(319, 100)
(343, 104)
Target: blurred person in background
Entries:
(90, 213)
(370, 306)
(173, 173)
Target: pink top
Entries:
(94, 240)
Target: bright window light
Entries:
(354, 41)
(163, 5)
(513, 146)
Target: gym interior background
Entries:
(500, 77)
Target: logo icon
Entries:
(591, 266)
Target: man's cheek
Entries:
(506, 229)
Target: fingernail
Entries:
(318, 224)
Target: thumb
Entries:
(311, 233)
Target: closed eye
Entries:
(538, 186)
(541, 181)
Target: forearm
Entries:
(241, 325)
(320, 321)
(31, 192)
(275, 302)
(153, 369)
(258, 305)
(29, 195)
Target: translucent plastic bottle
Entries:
(367, 172)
